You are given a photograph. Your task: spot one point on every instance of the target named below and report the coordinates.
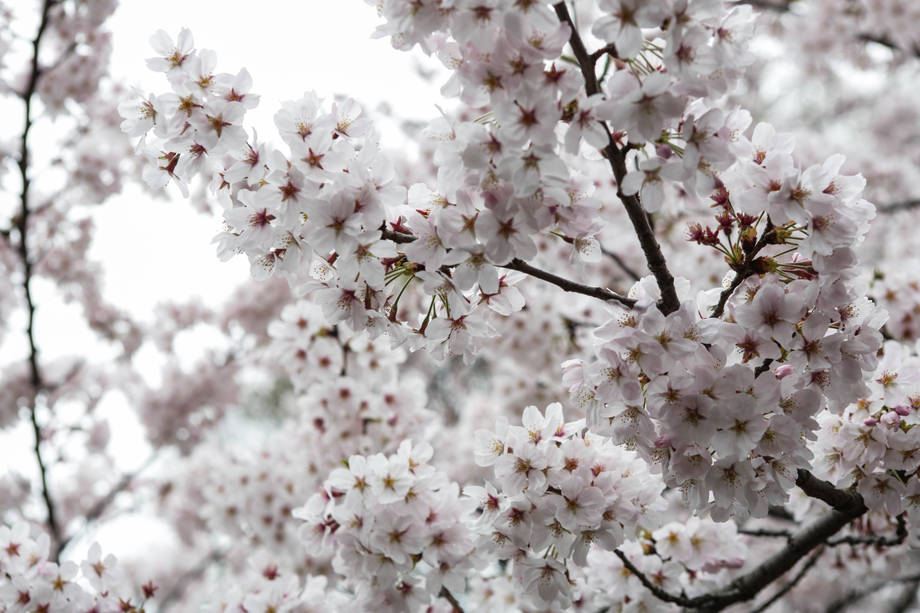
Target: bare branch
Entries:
(765, 533)
(779, 6)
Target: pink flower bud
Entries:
(870, 422)
(663, 441)
(783, 371)
(902, 409)
(891, 419)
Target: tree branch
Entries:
(445, 593)
(22, 225)
(654, 258)
(900, 536)
(178, 589)
(896, 207)
(779, 6)
(632, 274)
(854, 596)
(103, 503)
(791, 584)
(846, 506)
(747, 269)
(601, 293)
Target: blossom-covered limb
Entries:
(847, 507)
(617, 158)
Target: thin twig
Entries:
(178, 589)
(854, 596)
(779, 6)
(747, 269)
(601, 293)
(103, 503)
(896, 207)
(900, 536)
(765, 533)
(791, 584)
(22, 224)
(445, 593)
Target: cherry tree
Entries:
(618, 330)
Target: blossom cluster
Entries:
(560, 491)
(30, 581)
(399, 529)
(722, 393)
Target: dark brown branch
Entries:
(900, 536)
(846, 506)
(22, 225)
(609, 48)
(601, 293)
(178, 589)
(761, 532)
(586, 61)
(854, 596)
(632, 274)
(791, 584)
(896, 207)
(747, 269)
(445, 593)
(616, 156)
(779, 6)
(841, 501)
